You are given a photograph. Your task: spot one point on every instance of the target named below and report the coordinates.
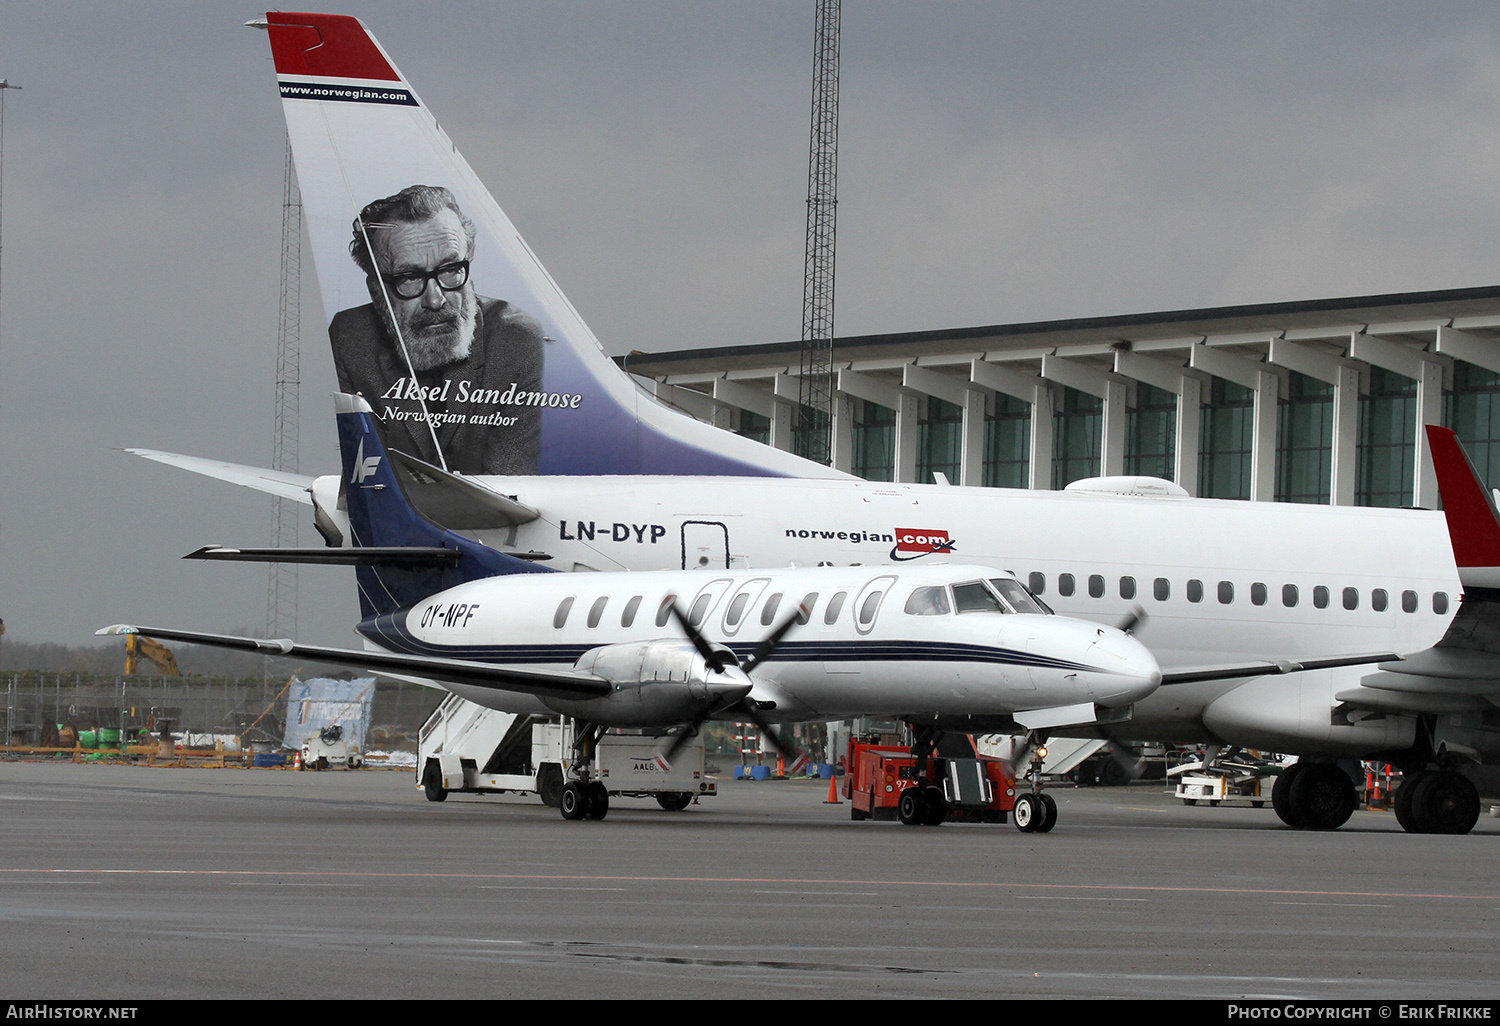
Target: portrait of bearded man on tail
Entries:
(440, 365)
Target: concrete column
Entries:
(1345, 442)
(1429, 411)
(1040, 471)
(1263, 437)
(1112, 432)
(971, 472)
(1189, 433)
(843, 433)
(906, 439)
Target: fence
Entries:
(37, 704)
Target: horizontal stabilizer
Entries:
(561, 683)
(395, 555)
(457, 502)
(273, 482)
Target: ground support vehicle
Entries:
(953, 781)
(328, 750)
(1221, 788)
(470, 749)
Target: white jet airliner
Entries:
(524, 435)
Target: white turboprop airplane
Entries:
(549, 451)
(944, 647)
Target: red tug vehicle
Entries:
(938, 779)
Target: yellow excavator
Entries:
(138, 648)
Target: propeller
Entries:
(714, 658)
(1132, 620)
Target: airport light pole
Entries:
(5, 86)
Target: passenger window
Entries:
(1096, 586)
(700, 609)
(768, 611)
(928, 602)
(1320, 597)
(561, 616)
(805, 613)
(737, 608)
(835, 604)
(665, 612)
(1257, 594)
(1408, 602)
(1127, 587)
(1162, 589)
(1065, 585)
(1195, 591)
(1440, 602)
(597, 610)
(1351, 598)
(867, 610)
(974, 597)
(628, 616)
(1037, 583)
(1378, 600)
(1226, 593)
(1289, 595)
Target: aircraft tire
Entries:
(910, 809)
(934, 807)
(575, 801)
(1448, 803)
(1401, 803)
(1281, 795)
(1322, 797)
(432, 784)
(598, 801)
(1049, 813)
(1028, 814)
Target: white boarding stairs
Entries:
(459, 732)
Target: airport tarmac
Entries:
(124, 883)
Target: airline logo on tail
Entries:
(440, 315)
(363, 468)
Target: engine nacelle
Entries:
(656, 684)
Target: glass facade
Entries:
(754, 426)
(1472, 410)
(874, 446)
(1304, 441)
(1387, 441)
(940, 436)
(1151, 433)
(1224, 442)
(1078, 427)
(1007, 442)
(804, 422)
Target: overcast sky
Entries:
(998, 162)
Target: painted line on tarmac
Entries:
(784, 881)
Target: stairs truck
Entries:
(469, 749)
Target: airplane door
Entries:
(705, 545)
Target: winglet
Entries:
(1473, 520)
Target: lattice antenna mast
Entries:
(281, 591)
(816, 394)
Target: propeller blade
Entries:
(714, 659)
(1133, 620)
(769, 644)
(789, 752)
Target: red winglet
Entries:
(326, 45)
(1473, 525)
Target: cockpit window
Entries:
(928, 602)
(1017, 597)
(974, 597)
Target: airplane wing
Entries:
(1269, 669)
(557, 683)
(286, 486)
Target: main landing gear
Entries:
(582, 796)
(1441, 801)
(1314, 796)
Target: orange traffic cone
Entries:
(833, 790)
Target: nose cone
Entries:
(1122, 669)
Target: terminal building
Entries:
(1319, 401)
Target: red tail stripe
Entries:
(1473, 527)
(326, 45)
